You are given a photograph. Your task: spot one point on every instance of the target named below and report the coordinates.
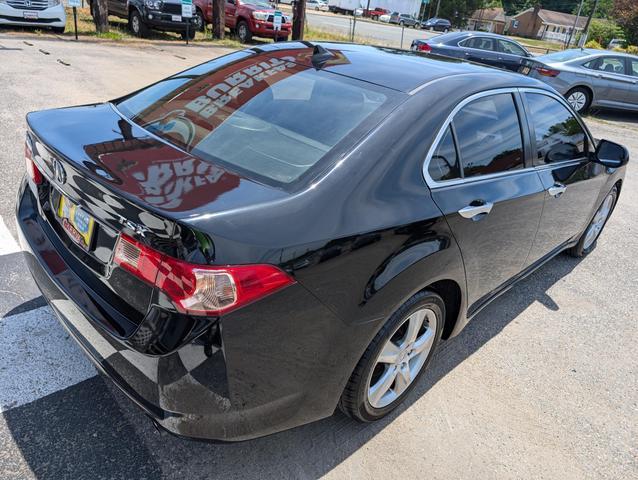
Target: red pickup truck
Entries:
(375, 13)
(247, 18)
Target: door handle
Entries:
(472, 211)
(557, 190)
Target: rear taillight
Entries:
(548, 72)
(32, 169)
(423, 47)
(199, 289)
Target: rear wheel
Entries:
(243, 32)
(395, 359)
(579, 98)
(589, 238)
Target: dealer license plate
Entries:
(76, 222)
(525, 70)
(176, 18)
(30, 15)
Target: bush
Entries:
(594, 44)
(604, 31)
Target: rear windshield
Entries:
(564, 56)
(269, 118)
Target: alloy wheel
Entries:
(135, 24)
(577, 100)
(597, 224)
(402, 358)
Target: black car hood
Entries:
(144, 169)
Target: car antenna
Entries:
(319, 56)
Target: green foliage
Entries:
(604, 10)
(458, 11)
(626, 14)
(593, 44)
(603, 31)
(512, 7)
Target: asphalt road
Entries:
(543, 383)
(383, 33)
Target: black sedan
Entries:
(437, 24)
(247, 245)
(489, 49)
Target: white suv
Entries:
(33, 13)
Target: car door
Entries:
(492, 201)
(611, 82)
(118, 7)
(510, 55)
(230, 13)
(481, 49)
(632, 91)
(560, 145)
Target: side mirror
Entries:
(611, 154)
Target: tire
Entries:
(588, 240)
(200, 21)
(59, 30)
(136, 25)
(446, 30)
(191, 34)
(359, 400)
(401, 24)
(580, 99)
(243, 32)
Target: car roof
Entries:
(400, 70)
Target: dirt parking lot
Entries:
(543, 383)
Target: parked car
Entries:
(589, 77)
(33, 13)
(321, 5)
(385, 18)
(487, 48)
(616, 43)
(375, 13)
(145, 15)
(252, 18)
(247, 245)
(404, 19)
(437, 24)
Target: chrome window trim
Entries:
(511, 90)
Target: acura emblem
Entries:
(58, 171)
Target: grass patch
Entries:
(538, 46)
(327, 36)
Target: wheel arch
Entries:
(584, 86)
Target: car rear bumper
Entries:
(49, 17)
(274, 367)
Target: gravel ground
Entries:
(543, 383)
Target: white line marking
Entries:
(7, 242)
(37, 358)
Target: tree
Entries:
(219, 18)
(512, 7)
(100, 12)
(298, 19)
(458, 11)
(604, 9)
(626, 14)
(603, 31)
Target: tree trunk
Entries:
(100, 12)
(219, 18)
(298, 19)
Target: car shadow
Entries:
(91, 430)
(614, 115)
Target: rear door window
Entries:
(489, 137)
(559, 135)
(611, 65)
(480, 43)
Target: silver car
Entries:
(589, 78)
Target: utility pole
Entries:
(438, 5)
(583, 38)
(298, 19)
(571, 34)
